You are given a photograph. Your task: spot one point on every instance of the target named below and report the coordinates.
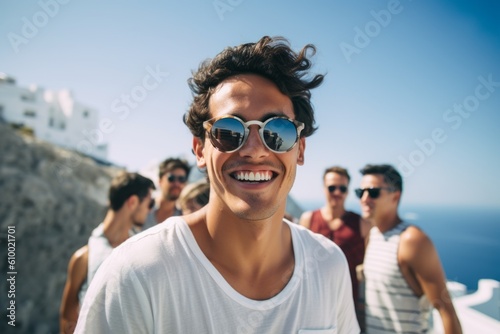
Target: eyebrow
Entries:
(263, 118)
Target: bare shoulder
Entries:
(413, 235)
(415, 243)
(80, 257)
(81, 252)
(305, 219)
(77, 267)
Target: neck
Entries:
(164, 203)
(116, 227)
(258, 235)
(255, 257)
(331, 213)
(388, 223)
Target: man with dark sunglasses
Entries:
(173, 175)
(129, 203)
(343, 227)
(234, 266)
(402, 270)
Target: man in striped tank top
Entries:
(402, 269)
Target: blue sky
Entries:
(411, 83)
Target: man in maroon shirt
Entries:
(345, 228)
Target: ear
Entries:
(301, 154)
(132, 202)
(198, 152)
(397, 196)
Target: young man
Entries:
(129, 203)
(343, 227)
(235, 266)
(172, 178)
(402, 269)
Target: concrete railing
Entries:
(478, 312)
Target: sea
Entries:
(467, 238)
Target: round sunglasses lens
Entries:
(227, 134)
(280, 135)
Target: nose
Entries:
(364, 197)
(254, 146)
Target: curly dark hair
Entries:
(271, 58)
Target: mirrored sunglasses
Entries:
(229, 133)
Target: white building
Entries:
(54, 116)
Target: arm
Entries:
(305, 219)
(425, 274)
(77, 272)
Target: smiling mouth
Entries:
(253, 176)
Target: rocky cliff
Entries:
(50, 200)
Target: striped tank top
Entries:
(391, 305)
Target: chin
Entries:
(253, 212)
(366, 215)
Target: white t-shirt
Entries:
(159, 281)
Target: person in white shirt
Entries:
(130, 201)
(234, 266)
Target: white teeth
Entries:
(254, 176)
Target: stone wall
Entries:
(53, 198)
